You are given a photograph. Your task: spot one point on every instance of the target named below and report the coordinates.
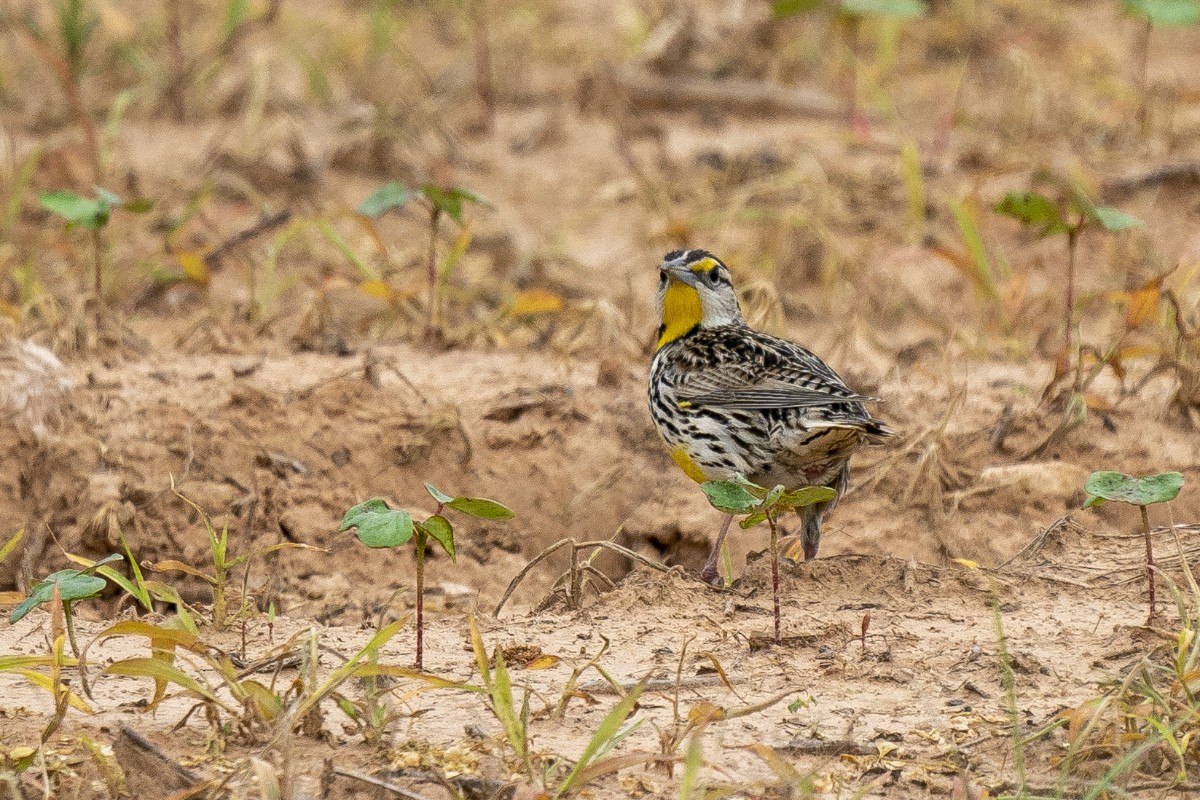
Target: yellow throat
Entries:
(681, 312)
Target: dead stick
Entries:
(382, 784)
(644, 90)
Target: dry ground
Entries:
(288, 379)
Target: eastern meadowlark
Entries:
(729, 400)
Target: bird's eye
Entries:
(713, 276)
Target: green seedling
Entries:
(593, 762)
(92, 214)
(1069, 214)
(223, 565)
(742, 497)
(64, 54)
(261, 709)
(850, 16)
(52, 682)
(498, 686)
(378, 525)
(439, 202)
(1141, 492)
(145, 592)
(1157, 14)
(71, 585)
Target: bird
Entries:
(730, 401)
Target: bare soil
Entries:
(283, 385)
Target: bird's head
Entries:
(694, 291)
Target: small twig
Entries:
(1121, 187)
(404, 379)
(647, 91)
(382, 784)
(577, 546)
(212, 259)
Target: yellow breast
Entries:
(689, 467)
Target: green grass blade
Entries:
(601, 740)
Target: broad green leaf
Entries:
(1167, 13)
(438, 494)
(807, 496)
(729, 496)
(72, 585)
(1114, 219)
(1145, 491)
(757, 518)
(450, 201)
(1033, 209)
(439, 529)
(385, 198)
(898, 9)
(378, 525)
(789, 8)
(82, 211)
(481, 508)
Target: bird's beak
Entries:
(679, 272)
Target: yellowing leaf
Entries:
(543, 662)
(535, 301)
(193, 266)
(379, 289)
(1141, 305)
(46, 682)
(966, 562)
(10, 311)
(704, 712)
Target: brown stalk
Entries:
(70, 88)
(1149, 557)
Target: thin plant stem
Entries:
(97, 266)
(1008, 680)
(420, 661)
(1072, 237)
(174, 37)
(483, 68)
(1149, 556)
(1143, 57)
(775, 573)
(432, 321)
(70, 625)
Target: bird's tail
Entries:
(811, 516)
(810, 534)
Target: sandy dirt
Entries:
(292, 379)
